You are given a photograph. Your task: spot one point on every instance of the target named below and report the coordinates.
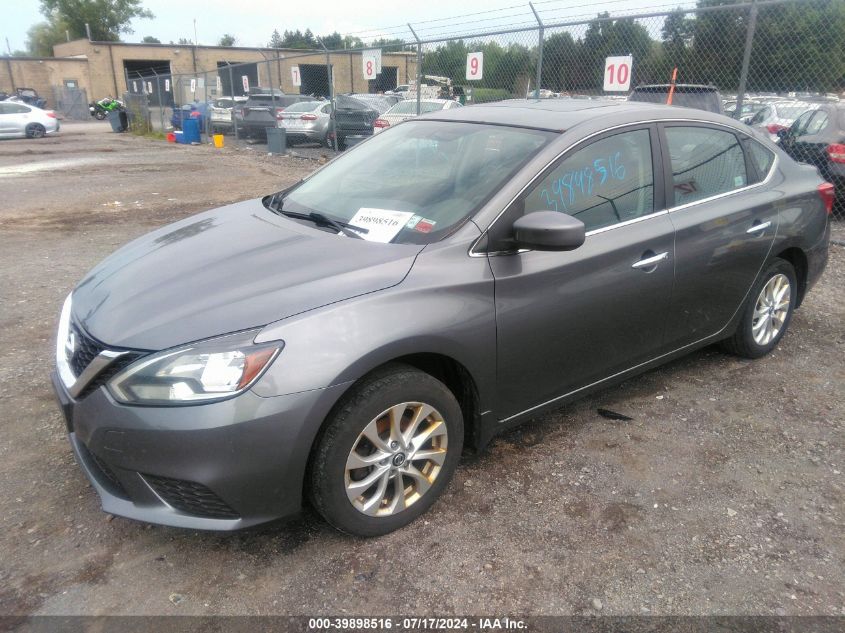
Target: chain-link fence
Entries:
(748, 51)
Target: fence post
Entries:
(232, 90)
(329, 73)
(746, 58)
(539, 52)
(160, 106)
(419, 67)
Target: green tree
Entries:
(149, 39)
(41, 37)
(275, 40)
(107, 18)
(298, 39)
(560, 61)
(227, 40)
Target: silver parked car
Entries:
(777, 116)
(19, 120)
(455, 275)
(405, 110)
(307, 121)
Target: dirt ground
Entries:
(723, 495)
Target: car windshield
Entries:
(303, 106)
(415, 183)
(410, 107)
(223, 103)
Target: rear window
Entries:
(705, 162)
(790, 112)
(762, 158)
(688, 97)
(303, 106)
(348, 103)
(410, 107)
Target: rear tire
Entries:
(35, 130)
(402, 431)
(767, 312)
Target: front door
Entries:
(568, 319)
(724, 227)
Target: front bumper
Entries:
(220, 466)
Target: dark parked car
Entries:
(352, 121)
(515, 256)
(262, 109)
(817, 137)
(696, 96)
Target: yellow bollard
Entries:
(218, 140)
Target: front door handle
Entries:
(759, 227)
(651, 262)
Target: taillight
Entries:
(774, 128)
(380, 123)
(827, 193)
(279, 112)
(309, 117)
(836, 153)
(50, 114)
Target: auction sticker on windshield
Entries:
(382, 224)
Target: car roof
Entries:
(559, 115)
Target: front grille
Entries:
(87, 349)
(103, 472)
(111, 370)
(191, 498)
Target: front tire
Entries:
(388, 451)
(767, 312)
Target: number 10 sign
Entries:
(617, 73)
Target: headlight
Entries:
(198, 373)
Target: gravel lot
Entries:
(722, 496)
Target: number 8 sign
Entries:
(475, 66)
(370, 67)
(617, 73)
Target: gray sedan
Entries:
(347, 338)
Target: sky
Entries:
(252, 21)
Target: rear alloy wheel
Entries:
(35, 130)
(767, 312)
(387, 453)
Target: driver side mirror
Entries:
(782, 134)
(549, 231)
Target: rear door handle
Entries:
(650, 262)
(757, 228)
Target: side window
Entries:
(762, 158)
(604, 183)
(4, 108)
(705, 162)
(326, 108)
(817, 123)
(800, 124)
(761, 116)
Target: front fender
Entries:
(444, 306)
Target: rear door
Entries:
(725, 223)
(7, 118)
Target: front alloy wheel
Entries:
(387, 451)
(396, 459)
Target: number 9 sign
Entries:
(617, 73)
(475, 66)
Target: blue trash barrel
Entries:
(191, 130)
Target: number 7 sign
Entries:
(617, 73)
(475, 66)
(294, 75)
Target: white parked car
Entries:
(18, 120)
(778, 116)
(221, 112)
(408, 110)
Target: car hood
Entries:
(229, 269)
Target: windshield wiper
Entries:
(319, 218)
